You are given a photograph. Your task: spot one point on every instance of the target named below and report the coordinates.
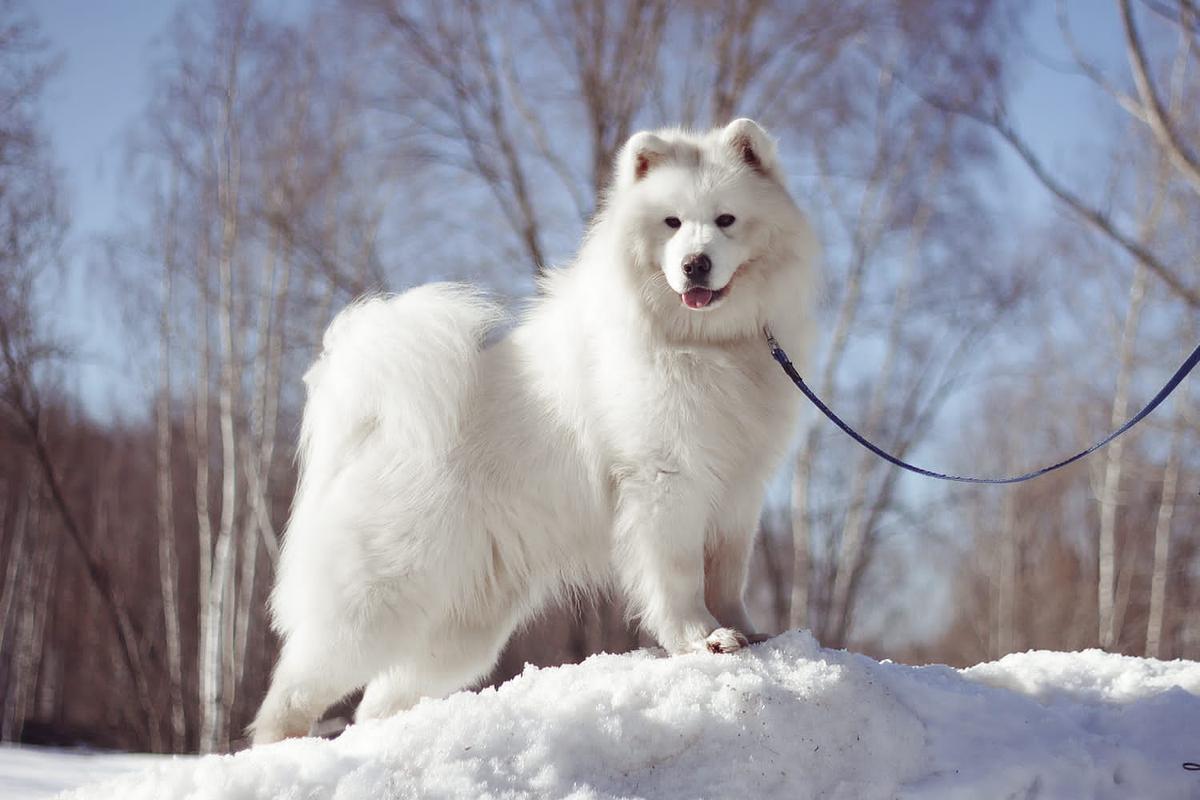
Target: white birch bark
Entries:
(168, 562)
(798, 611)
(32, 597)
(1162, 534)
(1006, 579)
(44, 590)
(12, 713)
(250, 453)
(1108, 614)
(16, 560)
(217, 645)
(1107, 550)
(203, 469)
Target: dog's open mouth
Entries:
(700, 297)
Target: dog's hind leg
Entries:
(457, 657)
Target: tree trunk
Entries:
(12, 715)
(1006, 579)
(1162, 534)
(218, 662)
(798, 614)
(1106, 552)
(168, 562)
(1109, 630)
(204, 534)
(17, 559)
(252, 451)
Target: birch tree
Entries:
(1164, 518)
(1110, 490)
(217, 662)
(168, 560)
(32, 226)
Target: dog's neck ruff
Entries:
(779, 355)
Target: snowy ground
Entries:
(785, 720)
(32, 773)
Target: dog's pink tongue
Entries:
(697, 298)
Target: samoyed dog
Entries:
(620, 437)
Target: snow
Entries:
(31, 773)
(786, 719)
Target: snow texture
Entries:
(785, 719)
(33, 773)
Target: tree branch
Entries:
(1156, 114)
(1098, 219)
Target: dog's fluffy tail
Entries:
(401, 368)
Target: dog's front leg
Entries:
(659, 536)
(727, 554)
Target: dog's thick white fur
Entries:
(621, 436)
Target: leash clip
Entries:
(774, 345)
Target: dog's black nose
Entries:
(697, 266)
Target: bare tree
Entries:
(217, 665)
(1151, 107)
(32, 224)
(263, 143)
(1109, 493)
(449, 50)
(168, 559)
(1164, 517)
(908, 151)
(854, 544)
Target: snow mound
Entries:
(786, 719)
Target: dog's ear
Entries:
(643, 152)
(752, 146)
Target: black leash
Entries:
(1172, 384)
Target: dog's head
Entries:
(715, 237)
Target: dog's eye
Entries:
(725, 220)
(672, 222)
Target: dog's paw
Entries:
(726, 640)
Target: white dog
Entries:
(622, 435)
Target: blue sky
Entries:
(99, 91)
(106, 49)
(102, 87)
